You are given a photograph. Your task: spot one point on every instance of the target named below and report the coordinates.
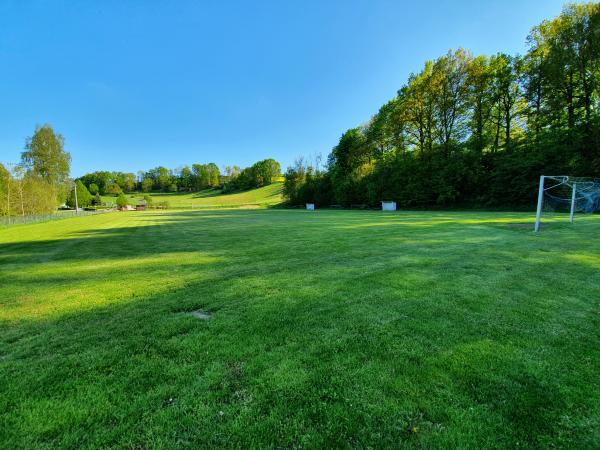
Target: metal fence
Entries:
(6, 221)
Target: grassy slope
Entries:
(328, 329)
(265, 196)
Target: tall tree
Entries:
(450, 94)
(212, 174)
(264, 172)
(569, 71)
(480, 98)
(5, 180)
(45, 156)
(201, 176)
(507, 97)
(185, 178)
(417, 103)
(386, 130)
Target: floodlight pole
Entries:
(572, 218)
(540, 202)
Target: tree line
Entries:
(474, 130)
(185, 179)
(39, 182)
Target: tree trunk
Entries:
(570, 105)
(497, 136)
(8, 197)
(21, 197)
(507, 119)
(479, 126)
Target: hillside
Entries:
(214, 198)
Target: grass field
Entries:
(266, 196)
(326, 329)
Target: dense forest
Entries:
(474, 131)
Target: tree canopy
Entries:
(45, 156)
(186, 179)
(39, 182)
(475, 130)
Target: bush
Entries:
(161, 205)
(121, 200)
(97, 200)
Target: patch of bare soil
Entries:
(199, 314)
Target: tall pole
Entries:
(76, 203)
(573, 194)
(8, 197)
(540, 202)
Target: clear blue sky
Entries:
(136, 84)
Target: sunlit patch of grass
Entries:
(85, 284)
(327, 329)
(584, 258)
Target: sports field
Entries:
(326, 329)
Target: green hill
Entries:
(214, 198)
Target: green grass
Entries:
(211, 198)
(327, 329)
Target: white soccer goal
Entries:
(562, 193)
(388, 206)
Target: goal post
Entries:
(573, 196)
(540, 203)
(566, 194)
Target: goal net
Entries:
(566, 194)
